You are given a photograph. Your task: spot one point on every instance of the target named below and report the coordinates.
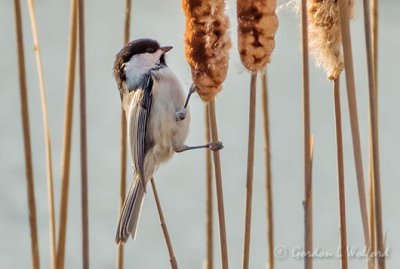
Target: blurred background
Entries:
(181, 182)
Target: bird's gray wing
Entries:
(138, 122)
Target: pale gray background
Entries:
(181, 181)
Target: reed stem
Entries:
(250, 169)
(209, 180)
(352, 104)
(27, 137)
(268, 175)
(83, 136)
(67, 136)
(219, 187)
(373, 117)
(123, 156)
(306, 136)
(372, 214)
(340, 172)
(172, 259)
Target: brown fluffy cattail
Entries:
(207, 44)
(324, 35)
(257, 25)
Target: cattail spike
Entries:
(207, 44)
(257, 25)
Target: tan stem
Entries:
(27, 138)
(250, 169)
(123, 156)
(306, 136)
(83, 136)
(268, 175)
(219, 187)
(209, 181)
(352, 104)
(172, 259)
(67, 136)
(340, 174)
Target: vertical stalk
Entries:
(27, 137)
(49, 164)
(83, 136)
(174, 264)
(352, 104)
(219, 187)
(209, 188)
(268, 175)
(373, 117)
(306, 136)
(120, 247)
(67, 136)
(340, 171)
(250, 168)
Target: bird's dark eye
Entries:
(150, 50)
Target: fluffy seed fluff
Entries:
(207, 44)
(324, 35)
(257, 25)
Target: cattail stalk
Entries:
(308, 242)
(27, 138)
(120, 247)
(372, 217)
(345, 12)
(49, 165)
(250, 167)
(218, 184)
(209, 264)
(174, 264)
(373, 117)
(340, 171)
(257, 25)
(207, 45)
(268, 175)
(83, 139)
(67, 137)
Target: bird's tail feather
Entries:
(130, 213)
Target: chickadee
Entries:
(158, 119)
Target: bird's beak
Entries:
(166, 49)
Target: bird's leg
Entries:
(211, 146)
(181, 113)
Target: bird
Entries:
(158, 119)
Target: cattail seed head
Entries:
(324, 35)
(207, 44)
(257, 25)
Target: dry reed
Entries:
(308, 219)
(123, 156)
(207, 44)
(340, 171)
(209, 263)
(257, 25)
(268, 175)
(83, 136)
(218, 184)
(67, 136)
(374, 133)
(47, 139)
(27, 137)
(345, 11)
(372, 217)
(174, 264)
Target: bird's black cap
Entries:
(137, 46)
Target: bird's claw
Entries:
(181, 114)
(216, 146)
